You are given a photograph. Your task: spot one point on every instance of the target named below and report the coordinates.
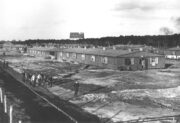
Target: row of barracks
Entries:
(43, 52)
(173, 53)
(113, 59)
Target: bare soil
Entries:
(117, 95)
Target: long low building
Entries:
(43, 52)
(114, 59)
(172, 53)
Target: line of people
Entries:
(37, 79)
(5, 64)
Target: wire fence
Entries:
(6, 109)
(19, 77)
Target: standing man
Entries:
(38, 80)
(42, 79)
(7, 64)
(4, 54)
(76, 88)
(33, 78)
(4, 64)
(50, 81)
(24, 76)
(46, 81)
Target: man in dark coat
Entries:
(76, 88)
(50, 81)
(7, 64)
(4, 64)
(4, 54)
(24, 76)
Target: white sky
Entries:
(55, 19)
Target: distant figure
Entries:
(4, 64)
(4, 54)
(24, 76)
(7, 64)
(50, 81)
(33, 80)
(76, 88)
(45, 81)
(177, 119)
(42, 79)
(38, 80)
(29, 77)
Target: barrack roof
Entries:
(46, 49)
(142, 54)
(174, 49)
(97, 51)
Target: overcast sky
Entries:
(55, 19)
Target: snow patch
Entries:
(154, 93)
(100, 81)
(101, 70)
(103, 113)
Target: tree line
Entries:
(160, 41)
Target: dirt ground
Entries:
(117, 95)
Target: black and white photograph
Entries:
(89, 61)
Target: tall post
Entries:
(174, 120)
(5, 104)
(10, 114)
(1, 95)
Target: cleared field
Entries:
(117, 95)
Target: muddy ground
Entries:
(117, 95)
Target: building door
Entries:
(144, 63)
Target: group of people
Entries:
(37, 79)
(40, 79)
(5, 64)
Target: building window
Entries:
(173, 53)
(83, 56)
(52, 53)
(154, 61)
(93, 58)
(132, 61)
(104, 60)
(61, 54)
(127, 62)
(74, 55)
(67, 54)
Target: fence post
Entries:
(174, 120)
(1, 95)
(5, 104)
(10, 114)
(1, 107)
